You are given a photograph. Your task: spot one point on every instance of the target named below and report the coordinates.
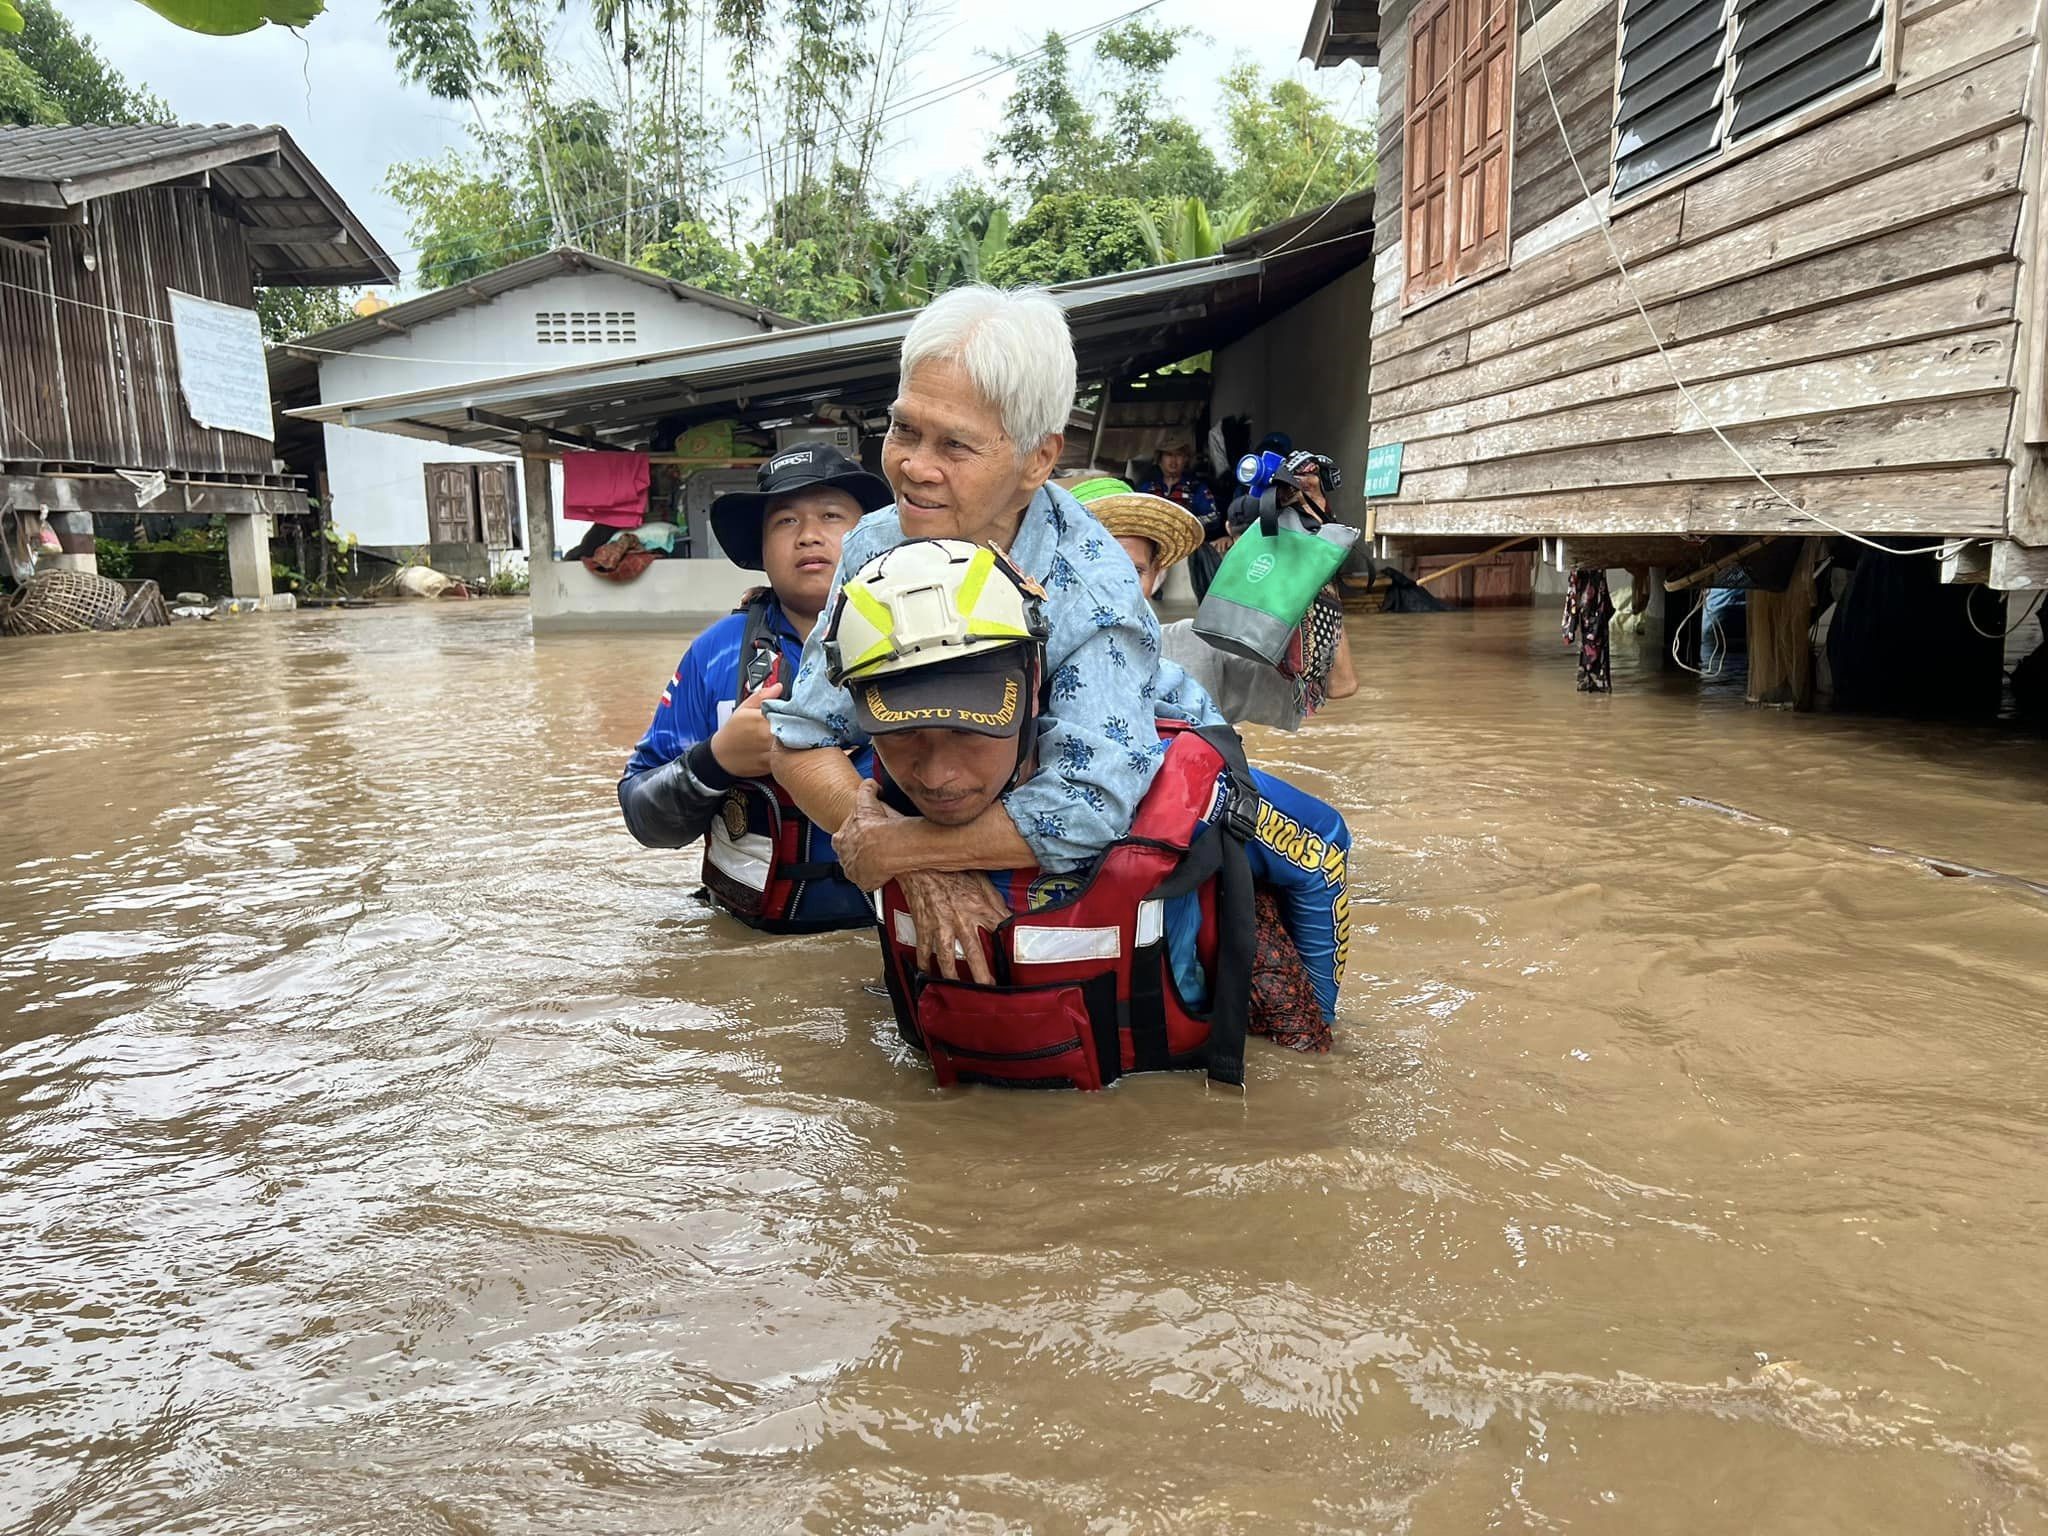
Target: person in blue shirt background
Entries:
(701, 771)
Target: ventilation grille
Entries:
(571, 327)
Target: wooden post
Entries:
(538, 494)
(1101, 425)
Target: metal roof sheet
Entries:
(277, 188)
(1122, 325)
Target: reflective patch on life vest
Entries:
(906, 931)
(1062, 946)
(748, 859)
(1151, 922)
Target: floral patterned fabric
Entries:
(1588, 611)
(1105, 682)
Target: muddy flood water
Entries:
(388, 1144)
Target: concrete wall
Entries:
(377, 481)
(1304, 373)
(669, 594)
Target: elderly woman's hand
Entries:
(950, 912)
(869, 843)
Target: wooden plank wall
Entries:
(1841, 304)
(89, 373)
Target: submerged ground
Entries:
(389, 1144)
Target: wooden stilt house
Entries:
(1821, 266)
(104, 233)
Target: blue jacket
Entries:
(1301, 854)
(673, 787)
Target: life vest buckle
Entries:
(1241, 802)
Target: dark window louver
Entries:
(1788, 54)
(1669, 113)
(1672, 111)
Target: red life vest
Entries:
(755, 862)
(1084, 989)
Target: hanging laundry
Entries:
(607, 488)
(1588, 610)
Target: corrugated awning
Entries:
(1123, 325)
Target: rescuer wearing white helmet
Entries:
(977, 426)
(940, 645)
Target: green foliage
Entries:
(1093, 170)
(509, 584)
(1289, 150)
(231, 18)
(25, 99)
(49, 74)
(115, 559)
(289, 313)
(208, 538)
(470, 218)
(1070, 235)
(436, 46)
(10, 18)
(1121, 141)
(1188, 233)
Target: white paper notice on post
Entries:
(220, 365)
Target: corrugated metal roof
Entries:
(261, 169)
(1340, 30)
(78, 154)
(1122, 325)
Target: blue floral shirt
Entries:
(1105, 682)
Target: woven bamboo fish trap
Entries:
(73, 602)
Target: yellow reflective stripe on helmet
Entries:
(876, 613)
(1000, 627)
(971, 583)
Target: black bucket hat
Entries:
(736, 516)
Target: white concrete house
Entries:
(566, 307)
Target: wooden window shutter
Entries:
(1486, 75)
(1461, 71)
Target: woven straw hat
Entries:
(1173, 530)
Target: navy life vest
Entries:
(1084, 989)
(757, 860)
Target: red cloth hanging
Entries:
(607, 488)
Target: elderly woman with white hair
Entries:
(985, 386)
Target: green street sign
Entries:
(1383, 470)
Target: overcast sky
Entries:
(336, 88)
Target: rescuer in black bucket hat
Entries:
(701, 771)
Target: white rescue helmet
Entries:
(926, 602)
(938, 633)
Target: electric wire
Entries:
(1969, 612)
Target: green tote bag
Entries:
(1267, 581)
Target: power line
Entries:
(743, 167)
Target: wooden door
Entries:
(451, 504)
(496, 505)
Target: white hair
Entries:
(1013, 345)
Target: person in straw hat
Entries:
(1157, 535)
